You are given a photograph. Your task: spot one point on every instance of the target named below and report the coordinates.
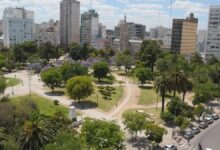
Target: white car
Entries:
(170, 147)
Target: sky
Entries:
(151, 13)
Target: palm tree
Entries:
(185, 86)
(162, 85)
(37, 133)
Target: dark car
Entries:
(188, 135)
(215, 116)
(203, 125)
(195, 130)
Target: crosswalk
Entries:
(187, 146)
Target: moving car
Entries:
(195, 130)
(203, 125)
(170, 147)
(215, 116)
(188, 135)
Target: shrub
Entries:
(167, 117)
(56, 102)
(4, 99)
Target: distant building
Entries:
(201, 41)
(1, 27)
(184, 35)
(89, 27)
(69, 22)
(17, 26)
(135, 31)
(124, 35)
(163, 35)
(102, 31)
(47, 32)
(134, 45)
(213, 38)
(110, 34)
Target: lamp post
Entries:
(97, 100)
(12, 89)
(29, 78)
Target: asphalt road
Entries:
(208, 138)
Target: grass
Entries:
(10, 81)
(148, 96)
(152, 111)
(103, 104)
(44, 105)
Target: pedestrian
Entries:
(200, 146)
(188, 140)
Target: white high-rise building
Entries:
(213, 37)
(201, 41)
(89, 27)
(17, 26)
(69, 22)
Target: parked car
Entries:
(195, 130)
(188, 134)
(215, 116)
(208, 119)
(170, 147)
(203, 125)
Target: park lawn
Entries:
(151, 111)
(10, 81)
(148, 96)
(44, 105)
(106, 105)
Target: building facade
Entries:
(89, 27)
(201, 41)
(213, 38)
(69, 22)
(18, 26)
(47, 32)
(1, 27)
(102, 31)
(184, 35)
(163, 35)
(136, 31)
(124, 35)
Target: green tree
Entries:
(149, 53)
(163, 85)
(134, 122)
(51, 77)
(199, 110)
(196, 58)
(101, 134)
(101, 69)
(155, 133)
(66, 141)
(124, 60)
(74, 51)
(2, 84)
(79, 87)
(48, 51)
(143, 74)
(70, 70)
(36, 133)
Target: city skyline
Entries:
(148, 12)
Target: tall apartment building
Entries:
(89, 27)
(201, 41)
(102, 31)
(17, 26)
(69, 22)
(136, 31)
(184, 35)
(1, 27)
(47, 32)
(213, 38)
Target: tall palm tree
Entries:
(37, 133)
(163, 85)
(185, 85)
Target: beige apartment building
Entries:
(69, 22)
(184, 35)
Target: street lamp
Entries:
(12, 89)
(97, 100)
(29, 78)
